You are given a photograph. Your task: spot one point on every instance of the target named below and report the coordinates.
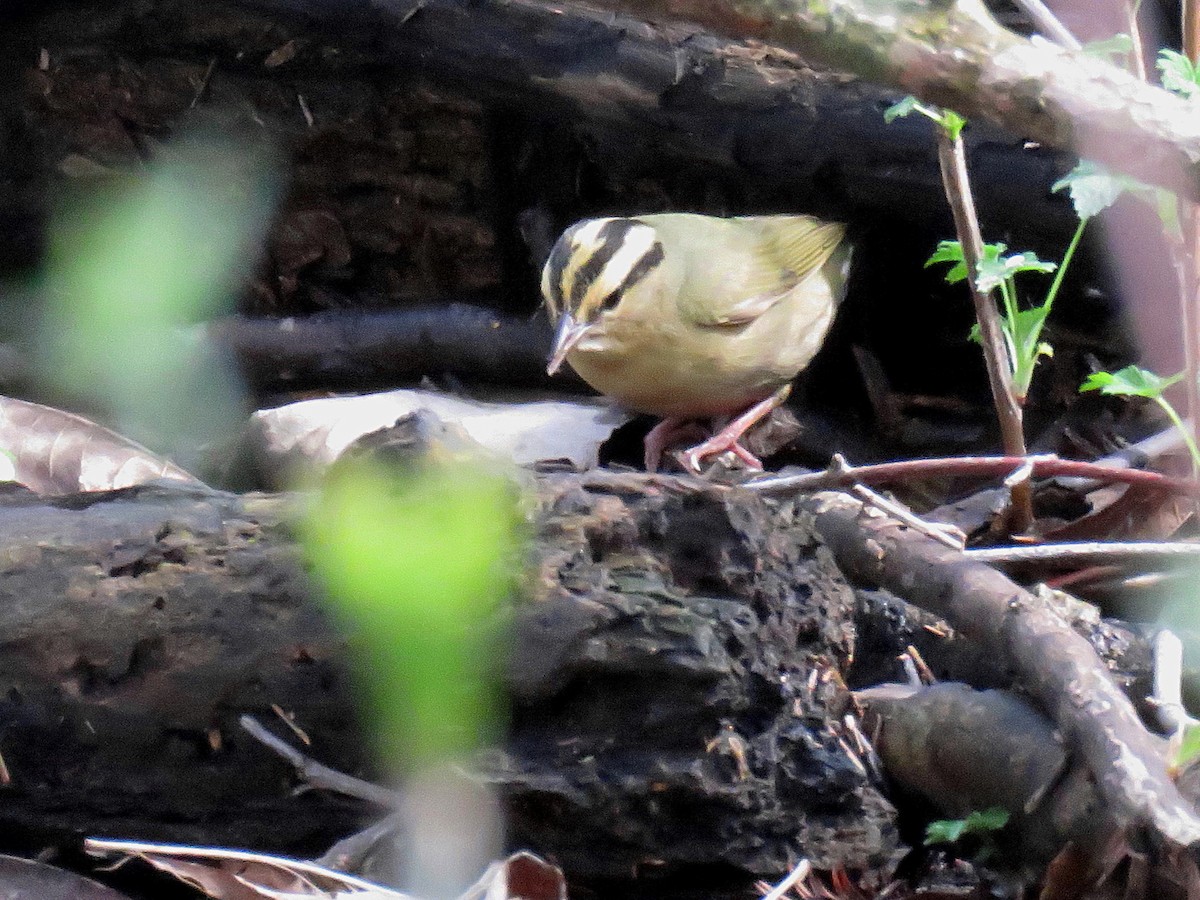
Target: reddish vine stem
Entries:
(971, 466)
(953, 161)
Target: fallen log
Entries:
(673, 679)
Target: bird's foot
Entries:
(668, 432)
(728, 438)
(721, 442)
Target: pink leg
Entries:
(669, 431)
(728, 437)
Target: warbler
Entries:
(692, 317)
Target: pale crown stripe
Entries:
(637, 242)
(583, 240)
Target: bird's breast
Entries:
(663, 366)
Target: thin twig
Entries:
(317, 774)
(1084, 550)
(351, 852)
(1189, 297)
(1047, 23)
(943, 534)
(1132, 8)
(1047, 466)
(952, 159)
(1167, 698)
(1138, 455)
(798, 874)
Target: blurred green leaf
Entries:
(131, 265)
(1179, 74)
(417, 567)
(1093, 188)
(900, 109)
(948, 831)
(1189, 748)
(1131, 381)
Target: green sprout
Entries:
(951, 121)
(1133, 381)
(982, 822)
(1022, 328)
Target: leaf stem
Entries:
(1188, 439)
(1061, 273)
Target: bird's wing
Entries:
(784, 252)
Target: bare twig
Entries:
(1047, 23)
(319, 775)
(1189, 297)
(1048, 466)
(793, 877)
(1085, 550)
(953, 160)
(1168, 684)
(943, 534)
(1132, 8)
(348, 854)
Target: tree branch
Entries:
(956, 55)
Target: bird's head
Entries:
(590, 270)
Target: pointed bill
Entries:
(566, 337)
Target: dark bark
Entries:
(662, 701)
(358, 350)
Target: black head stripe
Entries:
(560, 256)
(608, 241)
(649, 261)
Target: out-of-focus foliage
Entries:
(417, 566)
(947, 831)
(130, 264)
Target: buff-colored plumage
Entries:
(689, 316)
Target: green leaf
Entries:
(1189, 749)
(1131, 381)
(948, 119)
(994, 268)
(953, 123)
(1093, 188)
(944, 831)
(1179, 74)
(947, 831)
(950, 252)
(901, 108)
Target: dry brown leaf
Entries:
(58, 452)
